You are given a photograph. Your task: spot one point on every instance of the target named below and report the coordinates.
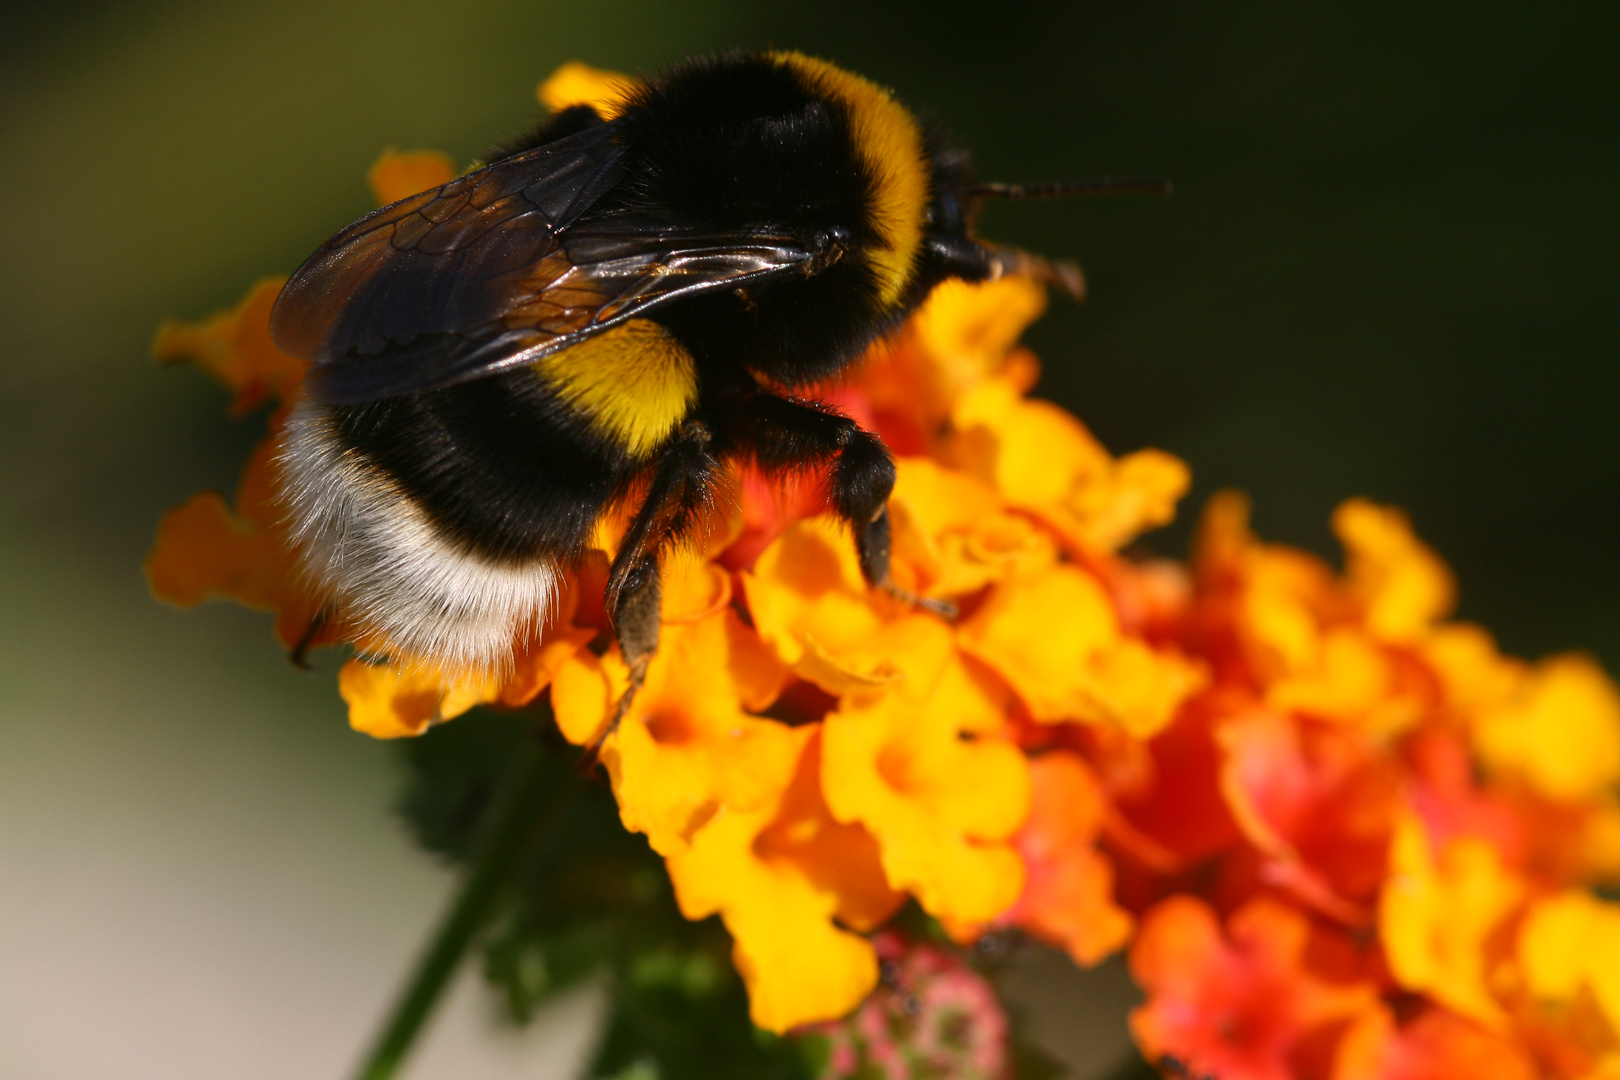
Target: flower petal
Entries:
(1054, 636)
(811, 604)
(235, 348)
(1438, 1045)
(398, 174)
(777, 875)
(580, 84)
(1239, 1006)
(924, 766)
(1320, 801)
(1438, 915)
(1404, 586)
(689, 746)
(1068, 885)
(1560, 730)
(205, 549)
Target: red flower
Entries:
(1244, 1006)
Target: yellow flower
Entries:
(955, 534)
(1043, 460)
(1438, 916)
(580, 84)
(963, 334)
(1403, 587)
(778, 874)
(925, 765)
(1560, 730)
(1571, 941)
(690, 744)
(1053, 634)
(399, 699)
(1473, 676)
(811, 604)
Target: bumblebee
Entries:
(611, 308)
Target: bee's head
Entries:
(950, 249)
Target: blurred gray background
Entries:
(1389, 269)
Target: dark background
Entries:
(1387, 270)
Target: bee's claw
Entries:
(943, 608)
(591, 756)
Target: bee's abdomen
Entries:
(440, 522)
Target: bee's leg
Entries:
(635, 618)
(299, 653)
(683, 480)
(782, 434)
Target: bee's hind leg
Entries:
(635, 617)
(682, 483)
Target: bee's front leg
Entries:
(782, 435)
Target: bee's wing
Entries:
(493, 270)
(422, 265)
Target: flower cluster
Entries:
(1342, 836)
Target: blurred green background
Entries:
(1389, 269)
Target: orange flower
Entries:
(1068, 886)
(1438, 1045)
(1241, 1006)
(1043, 460)
(1310, 643)
(963, 334)
(1264, 723)
(207, 549)
(1171, 811)
(778, 874)
(235, 348)
(396, 175)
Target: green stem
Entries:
(519, 819)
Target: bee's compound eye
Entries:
(828, 246)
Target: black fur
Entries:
(502, 467)
(740, 143)
(574, 119)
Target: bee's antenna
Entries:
(1101, 186)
